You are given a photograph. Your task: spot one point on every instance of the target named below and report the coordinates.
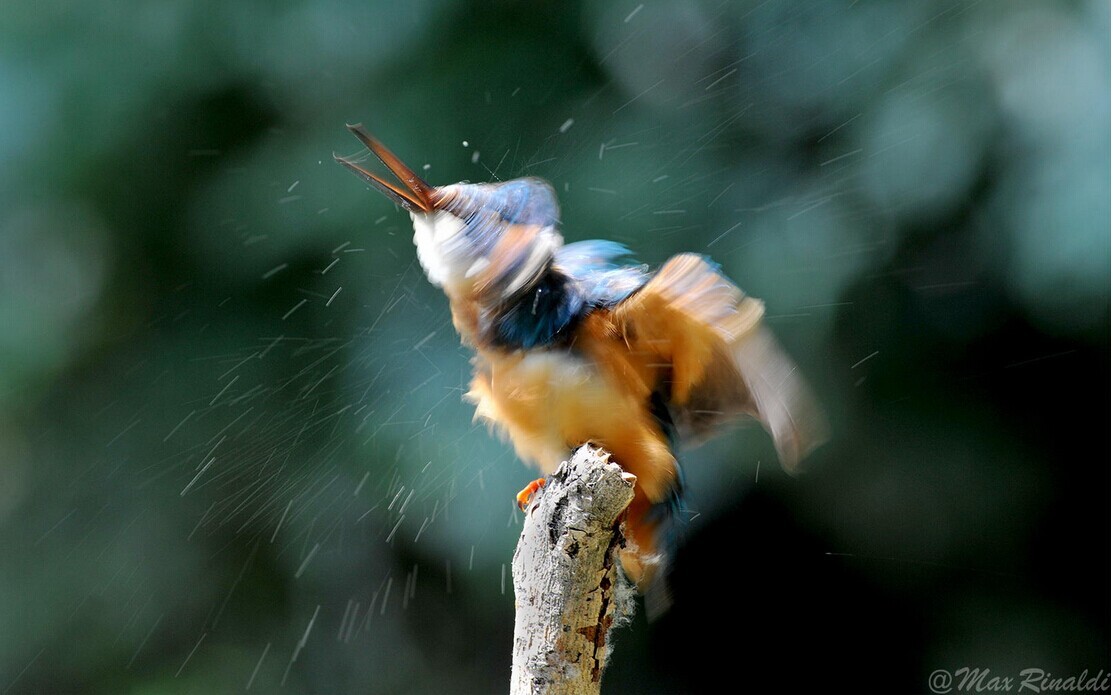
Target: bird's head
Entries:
(486, 242)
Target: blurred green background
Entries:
(233, 452)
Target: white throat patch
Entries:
(450, 259)
(441, 248)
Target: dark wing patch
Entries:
(545, 315)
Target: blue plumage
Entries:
(600, 278)
(487, 207)
(583, 276)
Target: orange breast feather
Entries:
(548, 402)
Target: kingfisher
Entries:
(574, 344)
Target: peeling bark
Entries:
(568, 588)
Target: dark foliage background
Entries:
(233, 453)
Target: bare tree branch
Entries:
(567, 587)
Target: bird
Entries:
(574, 344)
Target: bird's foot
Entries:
(528, 492)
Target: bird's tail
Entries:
(645, 559)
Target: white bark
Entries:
(567, 587)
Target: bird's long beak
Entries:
(417, 196)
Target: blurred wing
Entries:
(595, 267)
(590, 255)
(724, 362)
